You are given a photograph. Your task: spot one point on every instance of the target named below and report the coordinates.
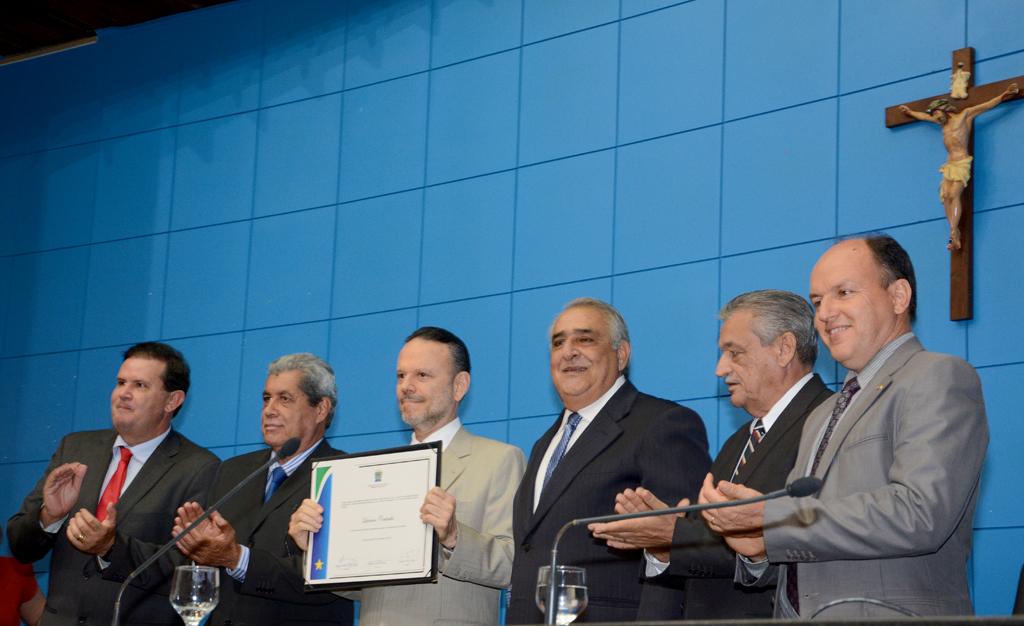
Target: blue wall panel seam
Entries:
(615, 156)
(337, 196)
(721, 194)
(170, 223)
(252, 214)
(839, 76)
(515, 216)
(1015, 205)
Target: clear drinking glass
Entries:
(195, 590)
(570, 591)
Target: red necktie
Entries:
(113, 490)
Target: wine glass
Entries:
(570, 591)
(194, 592)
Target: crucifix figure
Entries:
(956, 132)
(955, 114)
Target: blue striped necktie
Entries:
(276, 478)
(563, 445)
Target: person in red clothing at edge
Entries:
(20, 598)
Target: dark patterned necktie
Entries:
(849, 389)
(757, 434)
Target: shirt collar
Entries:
(141, 451)
(589, 412)
(445, 434)
(293, 463)
(780, 405)
(868, 372)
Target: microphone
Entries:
(287, 449)
(799, 488)
(803, 487)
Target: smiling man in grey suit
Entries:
(471, 511)
(900, 452)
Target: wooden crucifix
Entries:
(955, 113)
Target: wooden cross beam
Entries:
(961, 266)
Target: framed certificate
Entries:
(372, 533)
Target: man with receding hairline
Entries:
(899, 451)
(608, 437)
(471, 511)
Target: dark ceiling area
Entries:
(30, 27)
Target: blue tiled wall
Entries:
(266, 177)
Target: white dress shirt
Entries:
(656, 566)
(587, 415)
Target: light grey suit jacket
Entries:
(483, 475)
(893, 519)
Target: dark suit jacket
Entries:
(272, 593)
(636, 439)
(177, 471)
(701, 557)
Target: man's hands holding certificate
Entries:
(438, 510)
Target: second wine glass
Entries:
(570, 591)
(195, 590)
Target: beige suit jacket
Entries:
(483, 475)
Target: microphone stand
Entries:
(287, 449)
(801, 487)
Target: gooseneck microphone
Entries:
(799, 488)
(287, 449)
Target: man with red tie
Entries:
(119, 485)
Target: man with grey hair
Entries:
(248, 537)
(607, 438)
(768, 347)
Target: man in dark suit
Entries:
(248, 537)
(119, 485)
(609, 437)
(768, 347)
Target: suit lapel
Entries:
(289, 488)
(865, 399)
(247, 503)
(600, 434)
(97, 460)
(729, 456)
(525, 494)
(454, 459)
(154, 469)
(788, 419)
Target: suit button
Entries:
(526, 547)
